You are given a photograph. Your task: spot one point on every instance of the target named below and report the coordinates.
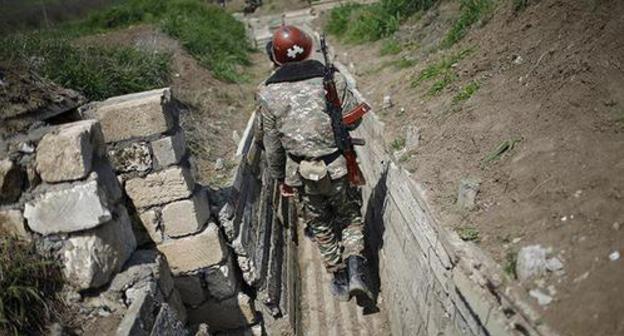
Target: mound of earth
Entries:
(543, 135)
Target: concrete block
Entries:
(66, 154)
(186, 217)
(169, 150)
(134, 157)
(12, 223)
(78, 207)
(151, 222)
(158, 188)
(221, 280)
(92, 257)
(191, 253)
(132, 116)
(235, 312)
(11, 181)
(190, 289)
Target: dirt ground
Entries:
(217, 112)
(551, 80)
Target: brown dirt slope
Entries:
(552, 77)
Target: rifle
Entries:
(344, 142)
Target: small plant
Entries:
(502, 148)
(29, 284)
(442, 71)
(466, 92)
(511, 259)
(404, 63)
(398, 143)
(471, 12)
(442, 83)
(519, 5)
(468, 234)
(390, 47)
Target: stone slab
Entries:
(190, 289)
(91, 258)
(11, 181)
(133, 157)
(66, 154)
(132, 116)
(169, 150)
(78, 207)
(191, 253)
(221, 280)
(232, 313)
(151, 222)
(159, 188)
(186, 217)
(139, 319)
(175, 301)
(167, 323)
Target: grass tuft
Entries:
(29, 284)
(511, 259)
(519, 5)
(442, 72)
(503, 147)
(468, 234)
(466, 92)
(471, 12)
(390, 47)
(398, 143)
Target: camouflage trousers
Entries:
(335, 219)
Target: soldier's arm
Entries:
(348, 99)
(275, 153)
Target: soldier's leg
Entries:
(318, 218)
(347, 204)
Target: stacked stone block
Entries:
(149, 154)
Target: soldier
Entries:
(302, 155)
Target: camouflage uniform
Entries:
(293, 124)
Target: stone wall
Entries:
(171, 211)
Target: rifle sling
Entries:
(329, 158)
(297, 71)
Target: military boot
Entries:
(358, 281)
(340, 285)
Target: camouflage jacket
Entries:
(291, 119)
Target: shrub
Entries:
(29, 284)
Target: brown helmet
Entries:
(291, 44)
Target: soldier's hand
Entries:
(287, 191)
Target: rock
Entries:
(66, 154)
(468, 190)
(219, 164)
(191, 253)
(78, 207)
(11, 181)
(531, 262)
(12, 223)
(92, 257)
(202, 330)
(221, 280)
(616, 226)
(614, 256)
(132, 116)
(387, 102)
(190, 289)
(167, 323)
(543, 299)
(139, 319)
(26, 148)
(158, 188)
(236, 137)
(235, 312)
(186, 217)
(104, 174)
(134, 157)
(412, 138)
(144, 266)
(169, 150)
(151, 223)
(554, 264)
(175, 301)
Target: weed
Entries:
(466, 92)
(390, 47)
(519, 5)
(502, 148)
(442, 71)
(511, 259)
(398, 143)
(339, 19)
(471, 12)
(29, 284)
(468, 234)
(404, 63)
(442, 83)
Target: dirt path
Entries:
(321, 314)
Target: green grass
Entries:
(466, 92)
(398, 143)
(468, 234)
(442, 72)
(471, 12)
(363, 23)
(511, 259)
(519, 5)
(97, 72)
(390, 47)
(29, 284)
